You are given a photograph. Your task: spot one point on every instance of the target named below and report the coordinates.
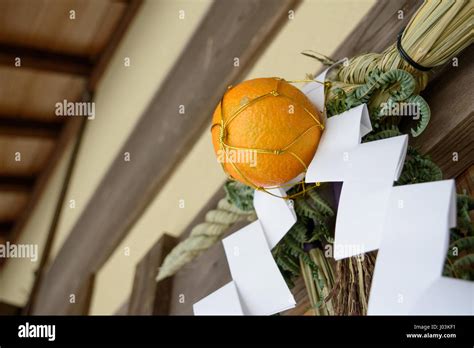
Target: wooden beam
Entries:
(149, 297)
(9, 309)
(465, 182)
(79, 302)
(32, 58)
(21, 127)
(6, 227)
(69, 133)
(16, 183)
(123, 309)
(448, 137)
(83, 291)
(128, 187)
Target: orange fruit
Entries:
(285, 125)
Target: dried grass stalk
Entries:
(352, 287)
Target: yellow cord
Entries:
(224, 146)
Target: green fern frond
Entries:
(239, 195)
(299, 231)
(320, 203)
(461, 245)
(303, 208)
(464, 262)
(288, 264)
(424, 114)
(384, 134)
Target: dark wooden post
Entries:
(149, 297)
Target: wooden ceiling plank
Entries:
(37, 59)
(34, 94)
(102, 225)
(24, 156)
(12, 203)
(16, 183)
(6, 227)
(106, 55)
(22, 127)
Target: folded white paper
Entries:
(360, 217)
(380, 161)
(260, 285)
(314, 91)
(276, 215)
(414, 245)
(446, 296)
(224, 301)
(342, 134)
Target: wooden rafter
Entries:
(102, 225)
(21, 127)
(16, 183)
(37, 59)
(6, 227)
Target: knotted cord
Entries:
(224, 146)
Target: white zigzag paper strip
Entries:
(260, 285)
(407, 277)
(275, 215)
(446, 296)
(367, 170)
(414, 245)
(261, 289)
(224, 301)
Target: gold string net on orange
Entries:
(265, 133)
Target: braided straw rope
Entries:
(203, 236)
